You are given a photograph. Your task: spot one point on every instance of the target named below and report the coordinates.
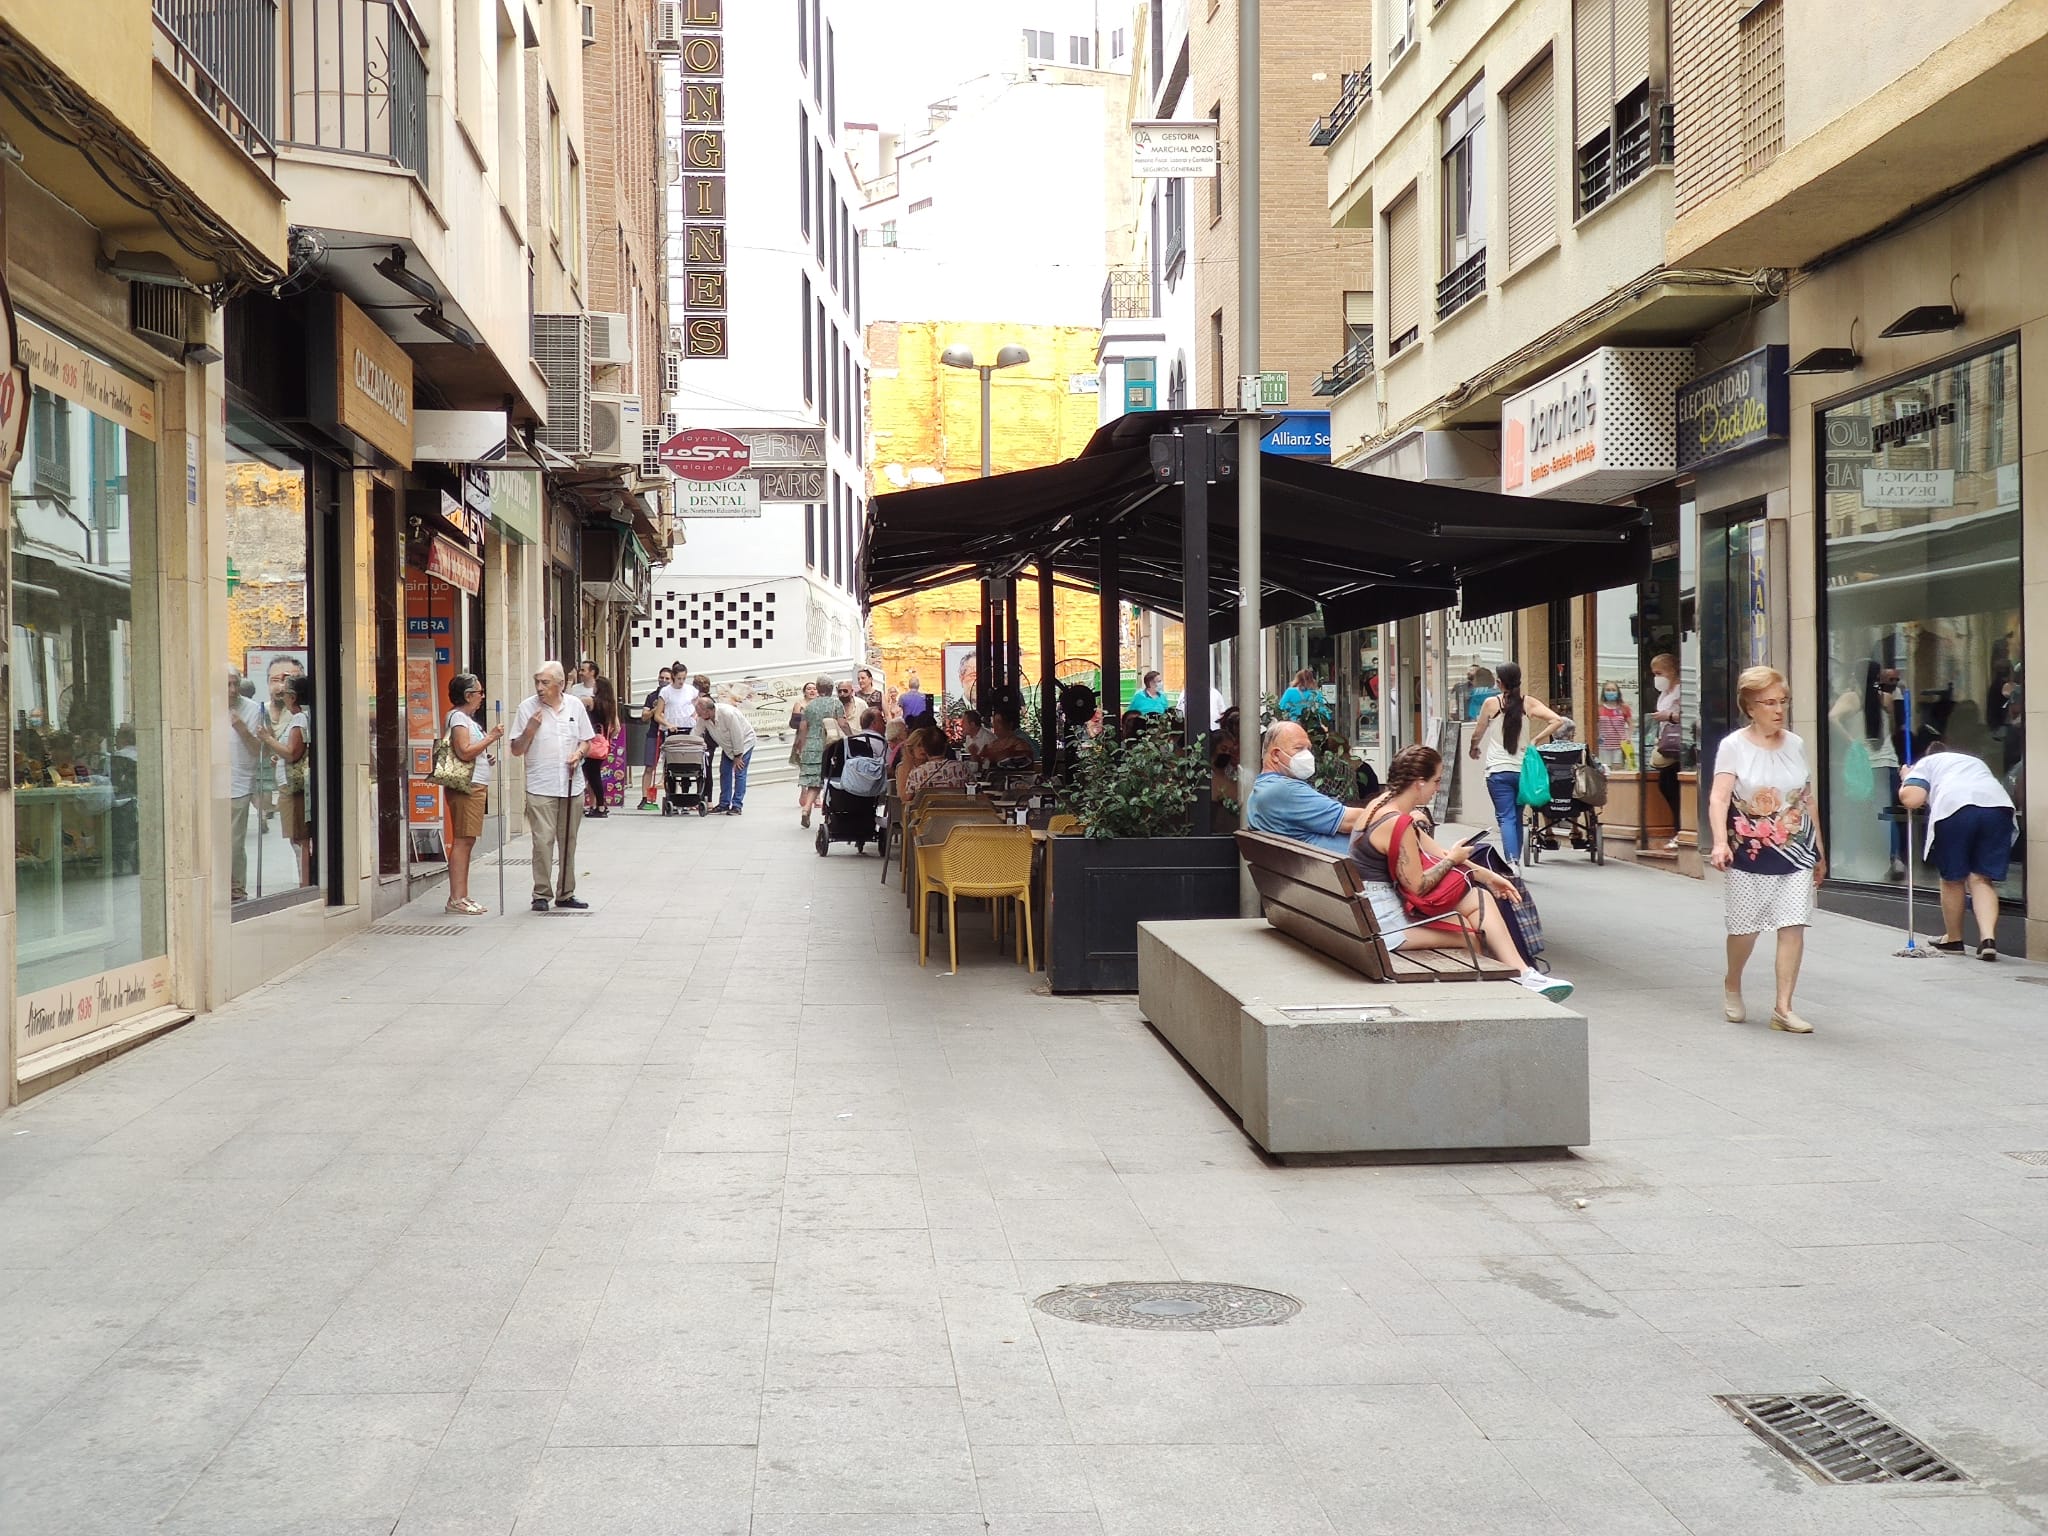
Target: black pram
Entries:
(1578, 788)
(855, 780)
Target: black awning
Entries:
(1363, 548)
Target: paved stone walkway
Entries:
(710, 1213)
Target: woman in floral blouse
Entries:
(1766, 838)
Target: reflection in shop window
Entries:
(1920, 486)
(273, 788)
(86, 699)
(1473, 653)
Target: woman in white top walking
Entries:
(1767, 839)
(1970, 826)
(472, 743)
(1514, 712)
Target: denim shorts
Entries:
(1976, 840)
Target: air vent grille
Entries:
(561, 350)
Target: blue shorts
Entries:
(1976, 840)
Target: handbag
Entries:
(598, 748)
(1670, 740)
(449, 771)
(1589, 784)
(1534, 790)
(1441, 899)
(1525, 924)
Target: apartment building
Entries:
(1895, 174)
(764, 274)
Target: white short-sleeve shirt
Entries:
(480, 765)
(561, 732)
(1953, 780)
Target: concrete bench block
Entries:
(1453, 1067)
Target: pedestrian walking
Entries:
(1503, 721)
(812, 737)
(584, 688)
(650, 715)
(1970, 830)
(1670, 717)
(734, 735)
(1767, 838)
(866, 689)
(796, 734)
(472, 743)
(552, 732)
(603, 709)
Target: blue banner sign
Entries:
(1299, 435)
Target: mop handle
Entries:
(499, 707)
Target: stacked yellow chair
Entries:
(992, 863)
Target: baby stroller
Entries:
(1578, 788)
(856, 778)
(683, 786)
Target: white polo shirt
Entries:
(561, 732)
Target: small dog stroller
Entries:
(683, 786)
(1578, 788)
(855, 780)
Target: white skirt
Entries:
(1757, 903)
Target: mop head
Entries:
(1914, 950)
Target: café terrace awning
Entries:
(1363, 548)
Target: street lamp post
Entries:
(994, 630)
(1250, 578)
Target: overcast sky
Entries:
(898, 56)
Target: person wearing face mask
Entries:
(1617, 724)
(1670, 736)
(1284, 802)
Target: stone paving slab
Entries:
(711, 1212)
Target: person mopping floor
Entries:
(1970, 827)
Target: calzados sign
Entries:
(704, 453)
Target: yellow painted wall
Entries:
(925, 419)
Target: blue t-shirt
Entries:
(1288, 807)
(1150, 703)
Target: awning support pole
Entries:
(1048, 688)
(1111, 585)
(1198, 462)
(982, 661)
(1250, 579)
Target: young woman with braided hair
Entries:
(1393, 855)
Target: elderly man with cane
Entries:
(552, 732)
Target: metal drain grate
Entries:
(417, 930)
(2038, 1159)
(1171, 1305)
(1836, 1438)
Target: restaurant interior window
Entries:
(274, 784)
(86, 699)
(1920, 488)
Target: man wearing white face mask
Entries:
(1286, 804)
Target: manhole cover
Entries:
(1840, 1439)
(2038, 1159)
(1172, 1304)
(416, 930)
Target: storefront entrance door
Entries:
(1735, 632)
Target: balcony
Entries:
(1127, 295)
(1357, 91)
(1354, 365)
(356, 80)
(225, 53)
(1461, 285)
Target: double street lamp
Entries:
(957, 356)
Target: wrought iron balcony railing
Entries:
(1354, 365)
(1127, 295)
(1462, 284)
(1357, 91)
(225, 51)
(356, 80)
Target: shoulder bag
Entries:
(1534, 790)
(1589, 783)
(1441, 899)
(450, 771)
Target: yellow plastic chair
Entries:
(931, 827)
(943, 808)
(1063, 823)
(991, 863)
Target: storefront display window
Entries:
(274, 784)
(1920, 491)
(1617, 686)
(87, 708)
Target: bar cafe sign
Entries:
(1597, 430)
(1734, 410)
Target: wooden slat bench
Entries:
(1315, 897)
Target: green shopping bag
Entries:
(1534, 790)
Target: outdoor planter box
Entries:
(1097, 891)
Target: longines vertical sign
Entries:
(705, 308)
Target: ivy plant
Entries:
(1139, 788)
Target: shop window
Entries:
(87, 707)
(1920, 593)
(274, 789)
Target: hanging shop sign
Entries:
(13, 387)
(359, 382)
(705, 455)
(783, 447)
(700, 159)
(1734, 409)
(727, 498)
(1600, 429)
(787, 485)
(515, 503)
(455, 565)
(1161, 147)
(72, 373)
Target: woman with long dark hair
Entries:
(604, 719)
(1394, 856)
(1869, 718)
(1518, 716)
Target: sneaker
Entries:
(1896, 870)
(1988, 950)
(540, 903)
(572, 903)
(734, 811)
(1555, 988)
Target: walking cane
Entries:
(500, 722)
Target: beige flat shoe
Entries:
(1731, 1007)
(1790, 1022)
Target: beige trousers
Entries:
(553, 821)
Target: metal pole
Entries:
(1013, 643)
(500, 722)
(987, 376)
(985, 637)
(1198, 462)
(1110, 582)
(1249, 576)
(1048, 689)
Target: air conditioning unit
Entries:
(614, 429)
(611, 339)
(651, 439)
(561, 350)
(589, 25)
(675, 338)
(668, 27)
(671, 372)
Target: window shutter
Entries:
(1592, 69)
(1631, 46)
(1532, 169)
(1404, 268)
